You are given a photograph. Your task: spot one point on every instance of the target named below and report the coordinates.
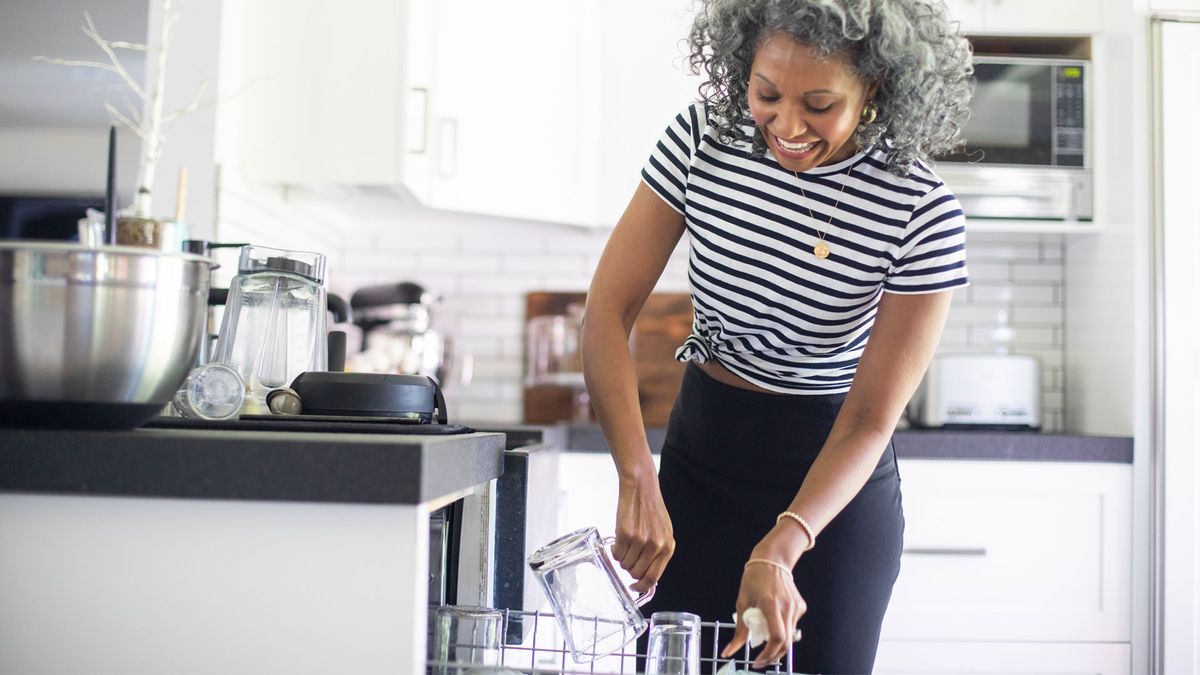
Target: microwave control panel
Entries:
(1068, 144)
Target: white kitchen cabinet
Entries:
(527, 109)
(588, 497)
(506, 128)
(320, 90)
(1175, 5)
(1012, 553)
(963, 658)
(1028, 17)
(536, 110)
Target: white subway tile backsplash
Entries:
(567, 283)
(548, 263)
(502, 368)
(487, 305)
(501, 327)
(988, 271)
(514, 284)
(992, 315)
(1018, 295)
(1038, 272)
(463, 264)
(483, 267)
(1002, 251)
(1053, 248)
(1023, 315)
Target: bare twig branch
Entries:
(135, 113)
(71, 62)
(124, 121)
(189, 108)
(90, 31)
(133, 46)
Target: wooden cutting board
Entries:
(663, 325)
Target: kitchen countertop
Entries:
(943, 444)
(248, 465)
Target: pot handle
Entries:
(646, 596)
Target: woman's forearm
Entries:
(837, 475)
(612, 387)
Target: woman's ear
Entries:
(871, 89)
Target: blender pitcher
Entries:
(596, 612)
(274, 323)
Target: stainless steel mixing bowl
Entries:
(96, 337)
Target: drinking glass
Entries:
(465, 636)
(674, 644)
(213, 391)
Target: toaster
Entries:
(991, 391)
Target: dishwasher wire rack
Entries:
(543, 651)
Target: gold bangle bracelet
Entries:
(812, 538)
(763, 561)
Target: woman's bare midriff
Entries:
(721, 374)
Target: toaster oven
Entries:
(989, 391)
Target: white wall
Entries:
(483, 267)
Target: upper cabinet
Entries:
(1175, 5)
(545, 110)
(1028, 17)
(320, 90)
(533, 109)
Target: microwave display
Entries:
(1026, 112)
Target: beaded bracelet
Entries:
(812, 538)
(786, 570)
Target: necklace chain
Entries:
(821, 249)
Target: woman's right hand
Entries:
(645, 540)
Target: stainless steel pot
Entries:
(96, 337)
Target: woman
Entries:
(814, 224)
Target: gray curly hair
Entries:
(920, 60)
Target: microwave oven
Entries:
(1028, 151)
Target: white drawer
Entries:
(1012, 551)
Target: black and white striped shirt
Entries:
(765, 307)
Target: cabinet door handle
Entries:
(935, 550)
(447, 152)
(418, 143)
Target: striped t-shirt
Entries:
(765, 307)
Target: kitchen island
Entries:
(204, 551)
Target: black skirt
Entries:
(733, 459)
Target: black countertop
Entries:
(258, 465)
(943, 444)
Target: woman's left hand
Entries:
(773, 591)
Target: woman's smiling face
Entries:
(806, 108)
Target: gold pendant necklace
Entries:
(821, 249)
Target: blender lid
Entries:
(370, 395)
(256, 259)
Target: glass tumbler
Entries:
(673, 647)
(213, 391)
(465, 637)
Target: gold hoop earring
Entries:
(869, 113)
